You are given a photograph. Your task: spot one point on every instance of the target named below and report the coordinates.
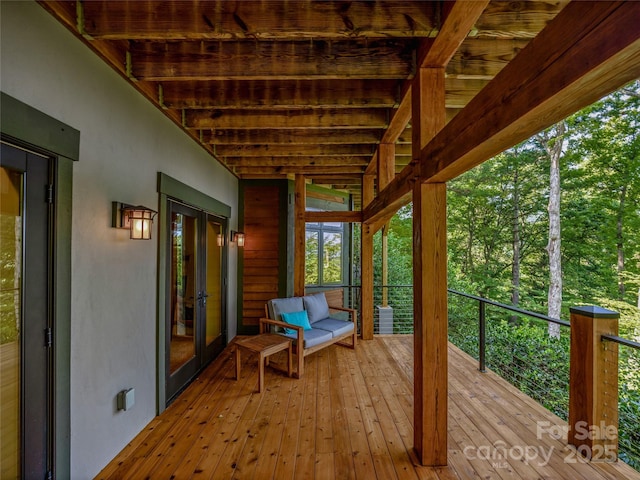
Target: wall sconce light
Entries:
(137, 219)
(238, 237)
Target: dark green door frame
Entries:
(25, 126)
(170, 188)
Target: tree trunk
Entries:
(553, 142)
(620, 244)
(515, 264)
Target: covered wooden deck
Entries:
(350, 416)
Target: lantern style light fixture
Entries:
(238, 237)
(138, 219)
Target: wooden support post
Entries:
(385, 265)
(430, 323)
(593, 384)
(299, 252)
(429, 279)
(366, 309)
(386, 164)
(386, 172)
(366, 263)
(367, 189)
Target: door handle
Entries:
(202, 296)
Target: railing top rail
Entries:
(540, 316)
(621, 341)
(564, 323)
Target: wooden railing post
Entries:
(593, 384)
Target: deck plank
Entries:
(350, 417)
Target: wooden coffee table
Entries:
(264, 345)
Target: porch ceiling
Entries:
(275, 88)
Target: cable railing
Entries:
(519, 346)
(628, 353)
(515, 344)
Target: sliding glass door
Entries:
(196, 293)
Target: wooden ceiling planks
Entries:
(280, 60)
(281, 94)
(309, 84)
(259, 20)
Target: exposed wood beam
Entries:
(259, 20)
(278, 150)
(334, 216)
(292, 119)
(286, 94)
(460, 18)
(308, 170)
(588, 50)
(291, 137)
(303, 60)
(300, 161)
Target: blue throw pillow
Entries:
(296, 318)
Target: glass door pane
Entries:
(213, 293)
(10, 320)
(183, 291)
(332, 258)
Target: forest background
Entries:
(498, 218)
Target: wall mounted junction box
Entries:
(126, 399)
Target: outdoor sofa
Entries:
(286, 316)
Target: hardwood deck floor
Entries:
(349, 417)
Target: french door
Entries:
(196, 293)
(25, 314)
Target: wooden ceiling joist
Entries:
(251, 60)
(278, 150)
(225, 20)
(286, 94)
(292, 137)
(300, 161)
(308, 170)
(289, 119)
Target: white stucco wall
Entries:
(124, 142)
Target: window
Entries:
(325, 254)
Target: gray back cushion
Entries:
(316, 307)
(278, 306)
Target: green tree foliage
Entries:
(481, 207)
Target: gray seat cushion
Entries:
(313, 337)
(336, 327)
